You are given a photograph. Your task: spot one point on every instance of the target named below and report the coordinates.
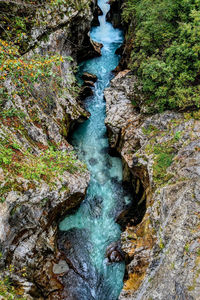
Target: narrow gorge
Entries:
(99, 150)
(92, 228)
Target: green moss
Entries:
(172, 265)
(161, 244)
(192, 115)
(150, 130)
(187, 247)
(163, 158)
(162, 161)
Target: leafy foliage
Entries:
(23, 72)
(165, 36)
(51, 163)
(7, 288)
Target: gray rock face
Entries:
(160, 154)
(30, 209)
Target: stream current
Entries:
(85, 235)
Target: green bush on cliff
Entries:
(165, 56)
(6, 290)
(47, 166)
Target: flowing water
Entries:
(92, 228)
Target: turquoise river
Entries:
(92, 228)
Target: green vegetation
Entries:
(162, 161)
(165, 55)
(50, 164)
(163, 152)
(150, 130)
(7, 289)
(24, 73)
(187, 247)
(17, 18)
(161, 244)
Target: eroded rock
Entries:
(89, 77)
(160, 154)
(114, 252)
(32, 205)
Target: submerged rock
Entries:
(93, 161)
(82, 278)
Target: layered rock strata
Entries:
(162, 160)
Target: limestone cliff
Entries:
(40, 176)
(161, 158)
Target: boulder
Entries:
(114, 253)
(89, 77)
(88, 83)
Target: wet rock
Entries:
(89, 83)
(97, 48)
(115, 13)
(89, 77)
(89, 50)
(93, 161)
(98, 12)
(74, 244)
(82, 276)
(74, 286)
(114, 252)
(86, 91)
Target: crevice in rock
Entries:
(135, 212)
(114, 15)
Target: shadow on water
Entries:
(84, 236)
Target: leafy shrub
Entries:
(165, 55)
(47, 166)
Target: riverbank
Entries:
(160, 152)
(41, 178)
(161, 158)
